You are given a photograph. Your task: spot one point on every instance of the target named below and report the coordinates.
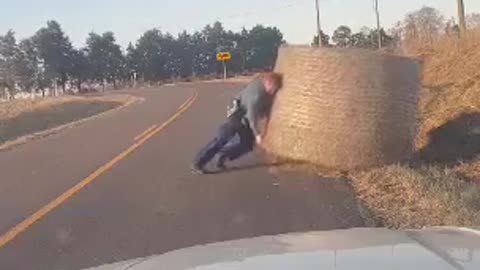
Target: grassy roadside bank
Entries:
(21, 118)
(441, 187)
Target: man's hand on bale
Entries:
(258, 139)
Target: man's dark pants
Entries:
(227, 132)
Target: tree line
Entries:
(344, 37)
(48, 60)
(421, 26)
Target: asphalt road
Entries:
(146, 201)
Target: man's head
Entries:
(272, 82)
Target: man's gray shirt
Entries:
(255, 103)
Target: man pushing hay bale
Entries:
(344, 109)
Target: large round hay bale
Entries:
(344, 109)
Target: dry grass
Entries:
(441, 185)
(22, 120)
(451, 78)
(450, 104)
(470, 170)
(13, 108)
(445, 189)
(403, 197)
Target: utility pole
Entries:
(461, 17)
(377, 13)
(224, 70)
(319, 28)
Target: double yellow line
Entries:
(140, 140)
(147, 131)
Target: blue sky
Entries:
(129, 19)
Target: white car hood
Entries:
(358, 249)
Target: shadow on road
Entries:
(275, 164)
(455, 141)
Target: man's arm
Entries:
(252, 115)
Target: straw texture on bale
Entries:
(344, 109)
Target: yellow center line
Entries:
(144, 133)
(181, 106)
(29, 221)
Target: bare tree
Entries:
(423, 25)
(473, 20)
(396, 32)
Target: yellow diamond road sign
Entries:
(224, 56)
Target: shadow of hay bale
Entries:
(455, 141)
(344, 109)
(279, 164)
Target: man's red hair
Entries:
(276, 78)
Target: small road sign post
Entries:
(223, 57)
(224, 70)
